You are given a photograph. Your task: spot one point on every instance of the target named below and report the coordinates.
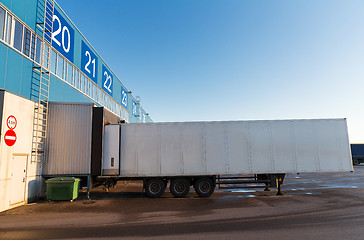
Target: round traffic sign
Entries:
(10, 137)
(11, 122)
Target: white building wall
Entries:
(15, 161)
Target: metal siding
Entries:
(327, 146)
(147, 138)
(238, 147)
(13, 73)
(3, 62)
(283, 147)
(235, 147)
(27, 69)
(304, 142)
(344, 145)
(215, 147)
(170, 149)
(69, 139)
(19, 8)
(193, 149)
(260, 146)
(128, 151)
(58, 89)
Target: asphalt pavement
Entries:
(314, 206)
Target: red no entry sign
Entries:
(10, 138)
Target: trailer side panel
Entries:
(234, 147)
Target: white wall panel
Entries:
(283, 146)
(261, 149)
(171, 154)
(305, 146)
(193, 149)
(214, 135)
(148, 142)
(238, 148)
(327, 145)
(128, 151)
(14, 159)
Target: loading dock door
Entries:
(18, 177)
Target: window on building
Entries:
(104, 102)
(89, 89)
(78, 84)
(60, 66)
(53, 62)
(86, 86)
(9, 20)
(45, 58)
(2, 22)
(18, 35)
(82, 83)
(65, 71)
(69, 73)
(26, 40)
(75, 79)
(32, 49)
(38, 50)
(95, 92)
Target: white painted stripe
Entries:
(10, 137)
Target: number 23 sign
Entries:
(107, 80)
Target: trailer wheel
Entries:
(356, 162)
(155, 187)
(180, 187)
(204, 187)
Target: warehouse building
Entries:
(45, 60)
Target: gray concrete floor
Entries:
(314, 206)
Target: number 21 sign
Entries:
(88, 62)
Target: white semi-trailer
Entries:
(198, 153)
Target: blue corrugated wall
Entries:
(16, 70)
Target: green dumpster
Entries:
(62, 188)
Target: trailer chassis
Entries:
(204, 185)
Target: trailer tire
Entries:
(180, 187)
(155, 187)
(356, 162)
(204, 187)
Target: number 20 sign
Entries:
(107, 80)
(62, 36)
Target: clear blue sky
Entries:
(233, 59)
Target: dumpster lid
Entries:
(63, 179)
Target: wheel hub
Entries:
(155, 187)
(180, 187)
(204, 187)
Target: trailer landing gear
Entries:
(279, 193)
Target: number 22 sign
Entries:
(107, 80)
